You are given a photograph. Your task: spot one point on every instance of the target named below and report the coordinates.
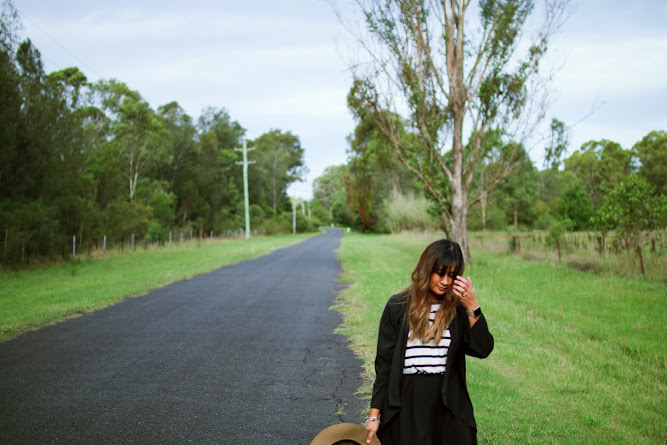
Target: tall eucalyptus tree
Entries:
(447, 74)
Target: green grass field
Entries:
(37, 297)
(578, 359)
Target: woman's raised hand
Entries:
(464, 289)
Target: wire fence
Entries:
(20, 249)
(586, 251)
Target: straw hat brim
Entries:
(350, 432)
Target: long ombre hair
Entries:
(441, 257)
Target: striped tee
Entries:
(427, 358)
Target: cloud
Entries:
(626, 67)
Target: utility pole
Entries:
(294, 204)
(245, 163)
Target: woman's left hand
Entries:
(464, 289)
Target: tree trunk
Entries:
(641, 259)
(459, 214)
(457, 93)
(483, 202)
(458, 221)
(516, 220)
(131, 182)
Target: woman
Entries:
(420, 395)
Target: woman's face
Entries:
(440, 284)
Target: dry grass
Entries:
(581, 251)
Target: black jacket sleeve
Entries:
(390, 326)
(477, 340)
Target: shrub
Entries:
(275, 226)
(155, 233)
(545, 221)
(406, 212)
(256, 214)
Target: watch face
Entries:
(478, 312)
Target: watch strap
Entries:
(476, 313)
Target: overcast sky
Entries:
(283, 64)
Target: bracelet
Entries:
(371, 419)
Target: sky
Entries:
(283, 64)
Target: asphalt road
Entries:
(246, 354)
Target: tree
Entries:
(560, 139)
(329, 190)
(652, 154)
(574, 206)
(550, 184)
(480, 83)
(136, 130)
(10, 106)
(374, 174)
(69, 150)
(157, 196)
(518, 193)
(279, 157)
(179, 138)
(600, 166)
(219, 179)
(632, 208)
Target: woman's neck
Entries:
(437, 298)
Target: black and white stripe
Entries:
(427, 358)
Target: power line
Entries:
(80, 62)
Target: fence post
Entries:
(74, 245)
(170, 237)
(132, 241)
(104, 244)
(181, 237)
(4, 249)
(23, 252)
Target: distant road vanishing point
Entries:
(245, 354)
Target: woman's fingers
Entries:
(462, 287)
(372, 429)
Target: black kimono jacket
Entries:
(392, 340)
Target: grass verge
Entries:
(30, 299)
(579, 358)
